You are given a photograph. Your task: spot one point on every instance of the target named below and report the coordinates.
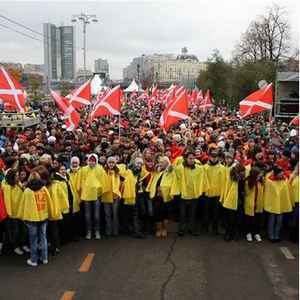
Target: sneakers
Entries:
(45, 262)
(1, 246)
(18, 251)
(258, 238)
(97, 235)
(249, 237)
(26, 249)
(88, 236)
(31, 263)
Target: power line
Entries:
(22, 33)
(21, 25)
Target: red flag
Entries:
(82, 96)
(199, 97)
(295, 121)
(194, 96)
(207, 102)
(175, 111)
(71, 116)
(109, 105)
(11, 91)
(260, 100)
(169, 95)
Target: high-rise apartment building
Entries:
(59, 52)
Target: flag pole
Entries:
(119, 126)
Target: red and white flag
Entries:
(175, 111)
(81, 96)
(200, 97)
(11, 91)
(71, 116)
(295, 121)
(108, 105)
(206, 103)
(193, 96)
(259, 101)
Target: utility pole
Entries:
(85, 19)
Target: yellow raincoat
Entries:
(37, 206)
(277, 199)
(250, 200)
(226, 182)
(91, 183)
(192, 183)
(215, 175)
(168, 185)
(58, 190)
(129, 186)
(12, 198)
(294, 189)
(112, 184)
(75, 179)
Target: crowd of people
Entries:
(214, 174)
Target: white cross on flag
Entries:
(81, 96)
(11, 91)
(71, 116)
(260, 100)
(206, 103)
(108, 105)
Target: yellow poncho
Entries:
(192, 183)
(215, 175)
(111, 186)
(250, 200)
(226, 182)
(277, 198)
(294, 189)
(37, 206)
(129, 186)
(59, 194)
(91, 183)
(75, 179)
(168, 185)
(12, 198)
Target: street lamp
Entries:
(85, 19)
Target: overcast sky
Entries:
(127, 29)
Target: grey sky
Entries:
(130, 28)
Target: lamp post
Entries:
(85, 19)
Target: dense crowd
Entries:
(214, 174)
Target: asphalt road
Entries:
(182, 268)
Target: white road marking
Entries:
(287, 253)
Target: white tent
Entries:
(133, 87)
(96, 85)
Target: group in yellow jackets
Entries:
(243, 194)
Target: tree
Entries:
(217, 77)
(65, 87)
(266, 39)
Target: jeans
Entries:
(274, 226)
(111, 211)
(211, 213)
(187, 219)
(88, 215)
(37, 236)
